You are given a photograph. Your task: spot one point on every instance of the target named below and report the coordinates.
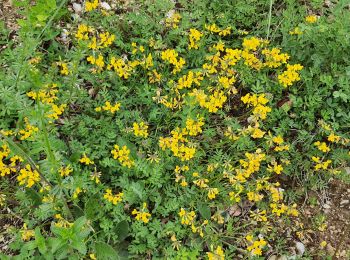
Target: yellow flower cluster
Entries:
(65, 171)
(47, 95)
(86, 160)
(142, 215)
(212, 192)
(213, 102)
(170, 56)
(26, 234)
(291, 75)
(334, 138)
(176, 144)
(28, 131)
(121, 67)
(109, 107)
(256, 245)
(187, 218)
(250, 165)
(28, 177)
(278, 140)
(275, 167)
(251, 44)
(296, 31)
(319, 164)
(83, 32)
(217, 254)
(194, 38)
(76, 192)
(6, 169)
(105, 39)
(154, 76)
(258, 103)
(64, 68)
(311, 18)
(61, 222)
(178, 170)
(187, 80)
(322, 146)
(56, 111)
(91, 5)
(114, 199)
(99, 61)
(194, 127)
(122, 155)
(282, 208)
(274, 58)
(213, 28)
(140, 129)
(259, 216)
(173, 20)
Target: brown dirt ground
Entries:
(334, 204)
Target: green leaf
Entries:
(105, 251)
(204, 210)
(122, 230)
(55, 244)
(40, 241)
(91, 208)
(79, 245)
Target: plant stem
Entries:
(269, 21)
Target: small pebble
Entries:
(77, 7)
(105, 6)
(300, 247)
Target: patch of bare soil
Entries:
(328, 223)
(9, 14)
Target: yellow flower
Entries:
(140, 129)
(212, 192)
(170, 56)
(277, 168)
(251, 44)
(194, 38)
(64, 68)
(114, 199)
(142, 215)
(194, 127)
(122, 155)
(291, 75)
(109, 107)
(256, 245)
(322, 146)
(76, 193)
(26, 234)
(311, 19)
(187, 218)
(173, 20)
(333, 138)
(65, 171)
(295, 31)
(91, 5)
(218, 254)
(86, 160)
(28, 131)
(28, 177)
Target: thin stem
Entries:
(269, 21)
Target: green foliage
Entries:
(68, 213)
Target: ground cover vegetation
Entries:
(171, 129)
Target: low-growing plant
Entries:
(168, 130)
